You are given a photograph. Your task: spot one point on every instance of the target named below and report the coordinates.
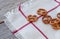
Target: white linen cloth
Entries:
(15, 20)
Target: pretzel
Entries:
(57, 27)
(42, 12)
(54, 21)
(32, 18)
(46, 19)
(55, 24)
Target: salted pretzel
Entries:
(32, 18)
(42, 12)
(46, 19)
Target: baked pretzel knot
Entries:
(46, 19)
(42, 12)
(32, 18)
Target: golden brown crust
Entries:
(32, 18)
(57, 27)
(54, 21)
(55, 24)
(46, 19)
(42, 12)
